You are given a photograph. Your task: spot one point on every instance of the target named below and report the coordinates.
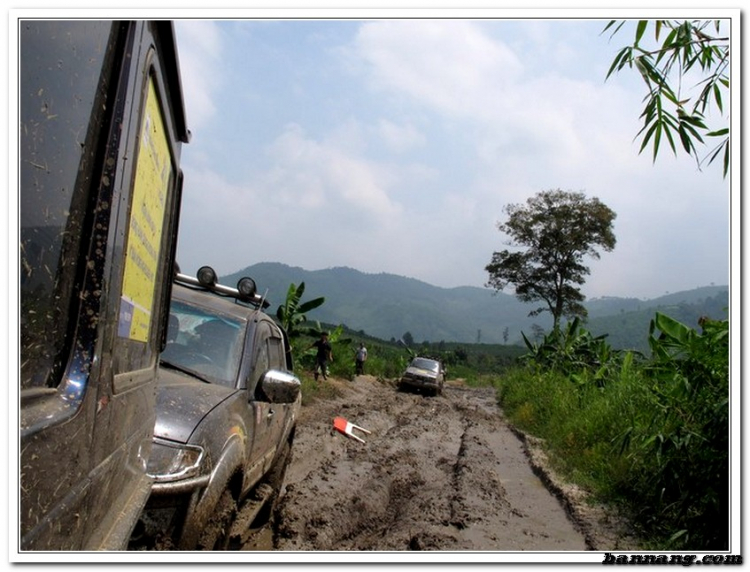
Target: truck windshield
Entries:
(61, 67)
(203, 342)
(428, 364)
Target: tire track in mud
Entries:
(441, 473)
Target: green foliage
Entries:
(292, 314)
(557, 229)
(304, 354)
(671, 112)
(578, 354)
(388, 359)
(686, 440)
(384, 362)
(577, 423)
(314, 391)
(649, 434)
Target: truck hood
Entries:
(182, 402)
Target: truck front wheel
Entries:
(215, 535)
(275, 479)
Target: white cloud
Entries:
(399, 138)
(514, 112)
(200, 52)
(319, 175)
(454, 120)
(308, 188)
(449, 64)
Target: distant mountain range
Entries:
(387, 306)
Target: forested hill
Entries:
(387, 306)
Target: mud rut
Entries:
(436, 473)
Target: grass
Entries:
(580, 426)
(313, 391)
(595, 436)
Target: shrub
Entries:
(649, 434)
(680, 451)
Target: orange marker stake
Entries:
(343, 426)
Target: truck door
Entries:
(101, 127)
(279, 417)
(268, 354)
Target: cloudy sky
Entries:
(392, 145)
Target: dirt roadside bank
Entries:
(441, 473)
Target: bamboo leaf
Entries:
(609, 25)
(613, 23)
(685, 48)
(687, 143)
(640, 30)
(647, 137)
(657, 139)
(621, 59)
(717, 98)
(719, 133)
(668, 133)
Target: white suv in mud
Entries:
(423, 374)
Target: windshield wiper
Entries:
(190, 372)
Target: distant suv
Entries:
(227, 403)
(423, 374)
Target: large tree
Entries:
(685, 65)
(554, 230)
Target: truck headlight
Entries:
(173, 461)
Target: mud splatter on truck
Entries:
(101, 127)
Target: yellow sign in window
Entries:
(146, 224)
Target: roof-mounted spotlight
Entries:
(206, 276)
(246, 287)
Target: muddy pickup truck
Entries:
(227, 405)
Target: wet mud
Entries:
(443, 473)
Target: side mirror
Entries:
(279, 387)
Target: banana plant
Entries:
(292, 313)
(687, 435)
(577, 353)
(701, 357)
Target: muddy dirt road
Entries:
(438, 473)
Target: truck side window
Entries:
(61, 92)
(261, 362)
(276, 351)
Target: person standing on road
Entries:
(324, 355)
(360, 359)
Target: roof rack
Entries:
(206, 279)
